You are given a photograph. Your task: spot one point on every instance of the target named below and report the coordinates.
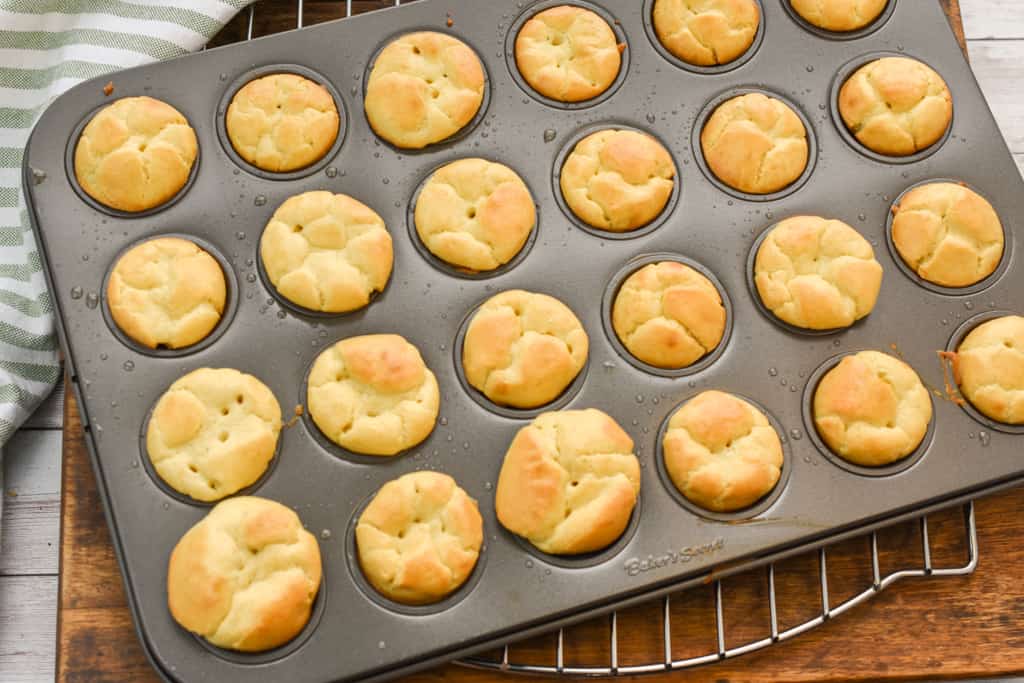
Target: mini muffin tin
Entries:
(517, 590)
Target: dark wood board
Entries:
(931, 628)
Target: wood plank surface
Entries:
(959, 627)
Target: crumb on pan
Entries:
(950, 361)
(295, 417)
(108, 88)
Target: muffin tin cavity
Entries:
(556, 184)
(252, 489)
(69, 169)
(755, 295)
(901, 465)
(563, 400)
(856, 34)
(977, 288)
(513, 67)
(751, 512)
(259, 659)
(844, 73)
(652, 36)
(608, 301)
(448, 268)
(698, 149)
(460, 134)
(227, 315)
(380, 600)
(952, 346)
(251, 75)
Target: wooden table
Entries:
(954, 628)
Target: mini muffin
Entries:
(282, 122)
(871, 409)
(706, 32)
(166, 292)
(990, 368)
(755, 143)
(948, 234)
(523, 349)
(373, 394)
(326, 252)
(568, 53)
(424, 88)
(721, 452)
(839, 15)
(668, 315)
(475, 214)
(618, 180)
(419, 538)
(569, 482)
(896, 106)
(213, 432)
(816, 273)
(245, 576)
(135, 154)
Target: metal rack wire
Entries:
(774, 634)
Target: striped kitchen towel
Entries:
(47, 46)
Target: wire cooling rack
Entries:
(611, 653)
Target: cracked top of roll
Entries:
(135, 154)
(755, 143)
(618, 180)
(282, 122)
(373, 394)
(706, 32)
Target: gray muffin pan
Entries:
(358, 635)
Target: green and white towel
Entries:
(46, 47)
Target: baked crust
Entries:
(990, 364)
(896, 106)
(755, 143)
(568, 53)
(327, 252)
(373, 394)
(872, 409)
(839, 15)
(213, 433)
(424, 88)
(816, 273)
(569, 482)
(135, 154)
(419, 538)
(523, 349)
(245, 576)
(721, 452)
(668, 315)
(706, 32)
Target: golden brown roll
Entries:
(990, 365)
(668, 315)
(245, 576)
(839, 15)
(135, 154)
(419, 538)
(282, 122)
(706, 32)
(326, 252)
(523, 349)
(568, 53)
(896, 106)
(721, 452)
(373, 394)
(871, 409)
(948, 234)
(618, 180)
(475, 214)
(424, 87)
(166, 292)
(817, 273)
(755, 143)
(213, 432)
(569, 482)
